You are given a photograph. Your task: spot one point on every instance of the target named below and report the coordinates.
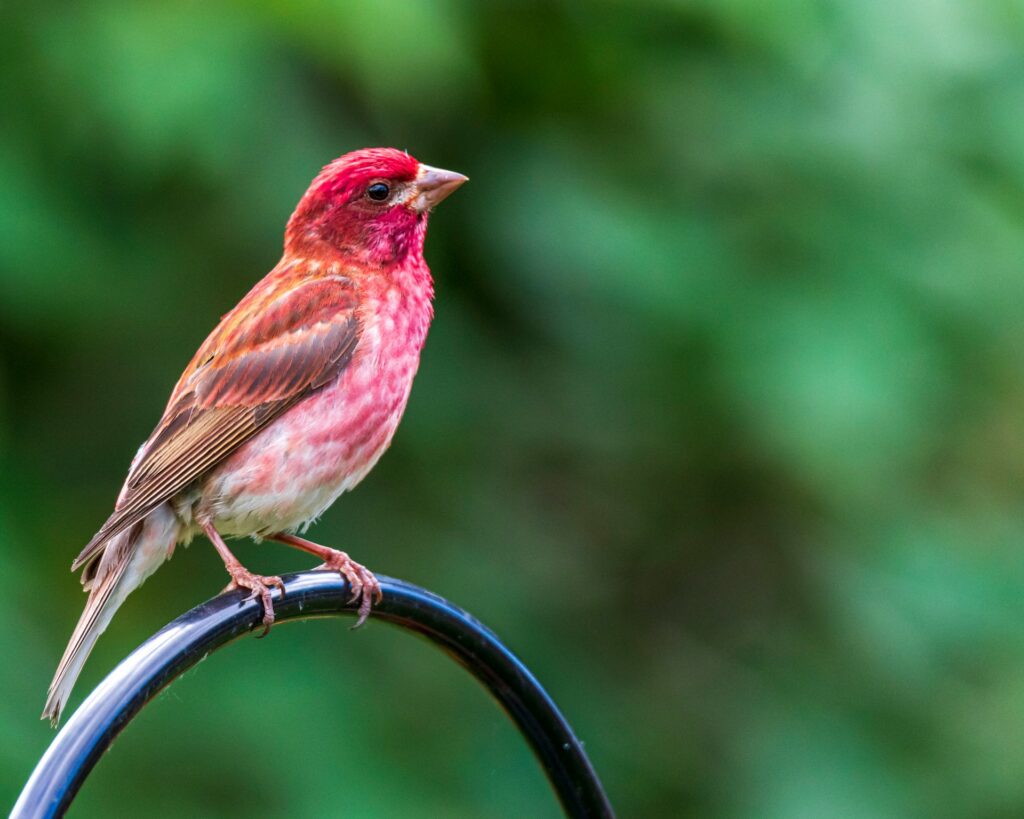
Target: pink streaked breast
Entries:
(294, 469)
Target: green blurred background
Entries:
(720, 423)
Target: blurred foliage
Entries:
(720, 424)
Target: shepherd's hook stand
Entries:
(186, 641)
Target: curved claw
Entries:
(364, 611)
(276, 582)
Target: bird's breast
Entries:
(290, 472)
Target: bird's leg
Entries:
(242, 578)
(365, 586)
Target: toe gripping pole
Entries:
(214, 624)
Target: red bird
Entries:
(288, 403)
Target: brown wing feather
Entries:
(288, 337)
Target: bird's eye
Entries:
(378, 191)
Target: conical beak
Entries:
(433, 185)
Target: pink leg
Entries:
(365, 586)
(242, 578)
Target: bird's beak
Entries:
(433, 185)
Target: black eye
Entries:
(378, 191)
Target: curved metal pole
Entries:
(180, 645)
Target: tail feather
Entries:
(127, 560)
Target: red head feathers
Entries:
(370, 204)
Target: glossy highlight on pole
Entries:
(212, 625)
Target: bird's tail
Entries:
(126, 561)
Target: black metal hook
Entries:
(180, 645)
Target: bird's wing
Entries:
(288, 337)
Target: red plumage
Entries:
(289, 402)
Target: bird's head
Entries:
(371, 204)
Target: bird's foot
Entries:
(259, 585)
(365, 586)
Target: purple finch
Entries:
(288, 403)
